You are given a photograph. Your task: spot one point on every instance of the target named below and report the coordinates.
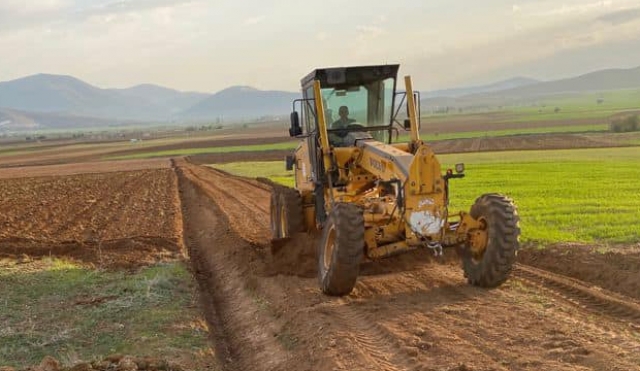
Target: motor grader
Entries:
(370, 196)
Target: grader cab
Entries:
(371, 197)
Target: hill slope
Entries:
(65, 94)
(603, 80)
(241, 102)
(170, 101)
(497, 86)
(610, 79)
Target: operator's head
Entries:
(343, 112)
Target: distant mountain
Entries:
(242, 102)
(497, 86)
(11, 120)
(610, 79)
(603, 80)
(52, 101)
(170, 100)
(68, 95)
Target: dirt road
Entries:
(406, 313)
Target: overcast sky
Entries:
(209, 45)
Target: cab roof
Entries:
(339, 77)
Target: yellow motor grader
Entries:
(371, 198)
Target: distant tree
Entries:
(627, 124)
(600, 100)
(556, 110)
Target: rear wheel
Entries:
(489, 263)
(275, 214)
(290, 213)
(340, 250)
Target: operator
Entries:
(336, 138)
(344, 119)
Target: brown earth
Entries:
(586, 263)
(52, 152)
(481, 144)
(563, 309)
(495, 121)
(120, 219)
(83, 168)
(407, 313)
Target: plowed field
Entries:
(107, 219)
(407, 313)
(560, 311)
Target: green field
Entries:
(581, 195)
(570, 107)
(507, 132)
(577, 106)
(205, 150)
(402, 138)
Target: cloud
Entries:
(470, 59)
(621, 16)
(127, 6)
(369, 32)
(565, 9)
(254, 20)
(21, 7)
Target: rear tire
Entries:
(340, 249)
(290, 212)
(275, 214)
(494, 266)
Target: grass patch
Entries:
(580, 195)
(56, 308)
(205, 150)
(508, 132)
(289, 145)
(274, 170)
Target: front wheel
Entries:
(490, 262)
(340, 249)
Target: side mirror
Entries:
(290, 161)
(295, 129)
(407, 124)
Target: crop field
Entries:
(585, 195)
(167, 265)
(559, 108)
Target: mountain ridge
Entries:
(41, 100)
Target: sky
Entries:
(208, 45)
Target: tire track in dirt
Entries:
(452, 311)
(368, 344)
(579, 293)
(376, 347)
(246, 205)
(425, 317)
(429, 288)
(243, 336)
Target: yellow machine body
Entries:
(399, 186)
